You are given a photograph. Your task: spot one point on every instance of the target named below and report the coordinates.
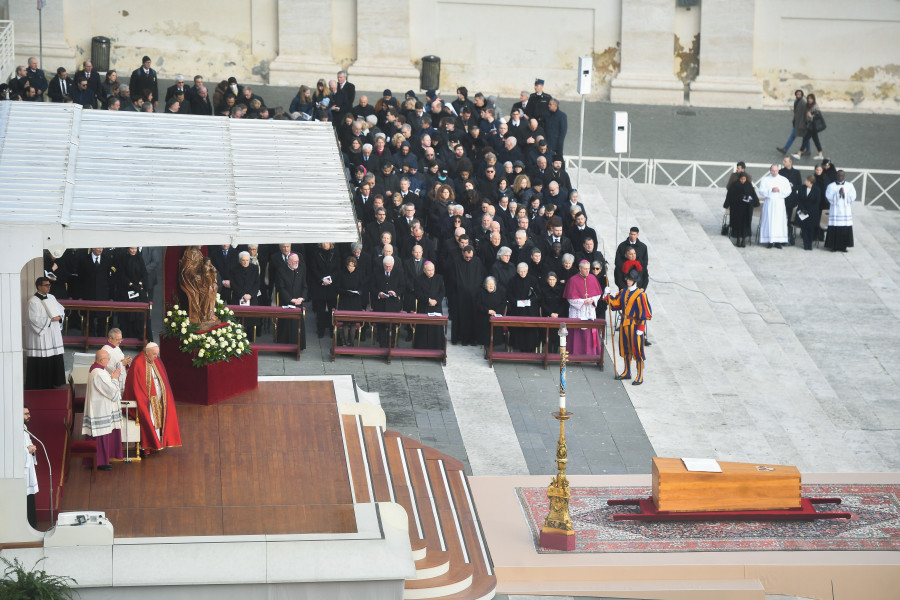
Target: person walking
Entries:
(798, 124)
(815, 124)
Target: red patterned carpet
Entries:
(875, 524)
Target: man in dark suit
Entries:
(374, 230)
(225, 259)
(95, 283)
(343, 98)
(91, 76)
(179, 86)
(37, 79)
(278, 266)
(640, 249)
(144, 78)
(61, 87)
(412, 268)
(200, 102)
(538, 103)
(790, 202)
(387, 293)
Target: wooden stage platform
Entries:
(270, 461)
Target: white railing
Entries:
(7, 51)
(875, 187)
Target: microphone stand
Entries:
(49, 468)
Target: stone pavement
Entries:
(859, 140)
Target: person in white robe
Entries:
(117, 359)
(44, 368)
(102, 411)
(774, 188)
(840, 194)
(31, 482)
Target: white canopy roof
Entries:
(88, 177)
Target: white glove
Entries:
(639, 332)
(607, 291)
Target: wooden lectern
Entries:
(740, 486)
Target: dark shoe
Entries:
(779, 246)
(621, 377)
(782, 150)
(770, 246)
(636, 382)
(105, 468)
(647, 343)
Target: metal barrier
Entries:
(874, 187)
(7, 50)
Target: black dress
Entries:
(526, 290)
(741, 199)
(429, 336)
(351, 287)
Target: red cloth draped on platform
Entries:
(140, 386)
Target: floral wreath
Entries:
(217, 344)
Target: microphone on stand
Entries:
(49, 468)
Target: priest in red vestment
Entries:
(148, 385)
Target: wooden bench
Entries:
(392, 320)
(547, 324)
(88, 306)
(273, 312)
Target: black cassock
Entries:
(429, 336)
(291, 284)
(495, 301)
(523, 290)
(467, 277)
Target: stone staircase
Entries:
(451, 556)
(799, 369)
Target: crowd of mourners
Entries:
(460, 204)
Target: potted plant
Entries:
(35, 584)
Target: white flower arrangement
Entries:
(218, 345)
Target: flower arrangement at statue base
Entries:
(217, 344)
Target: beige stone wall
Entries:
(845, 52)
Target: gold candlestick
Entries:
(558, 532)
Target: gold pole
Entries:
(558, 531)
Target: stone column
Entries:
(18, 246)
(383, 49)
(647, 74)
(304, 44)
(726, 57)
(57, 52)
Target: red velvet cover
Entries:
(210, 384)
(50, 411)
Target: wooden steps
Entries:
(448, 545)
